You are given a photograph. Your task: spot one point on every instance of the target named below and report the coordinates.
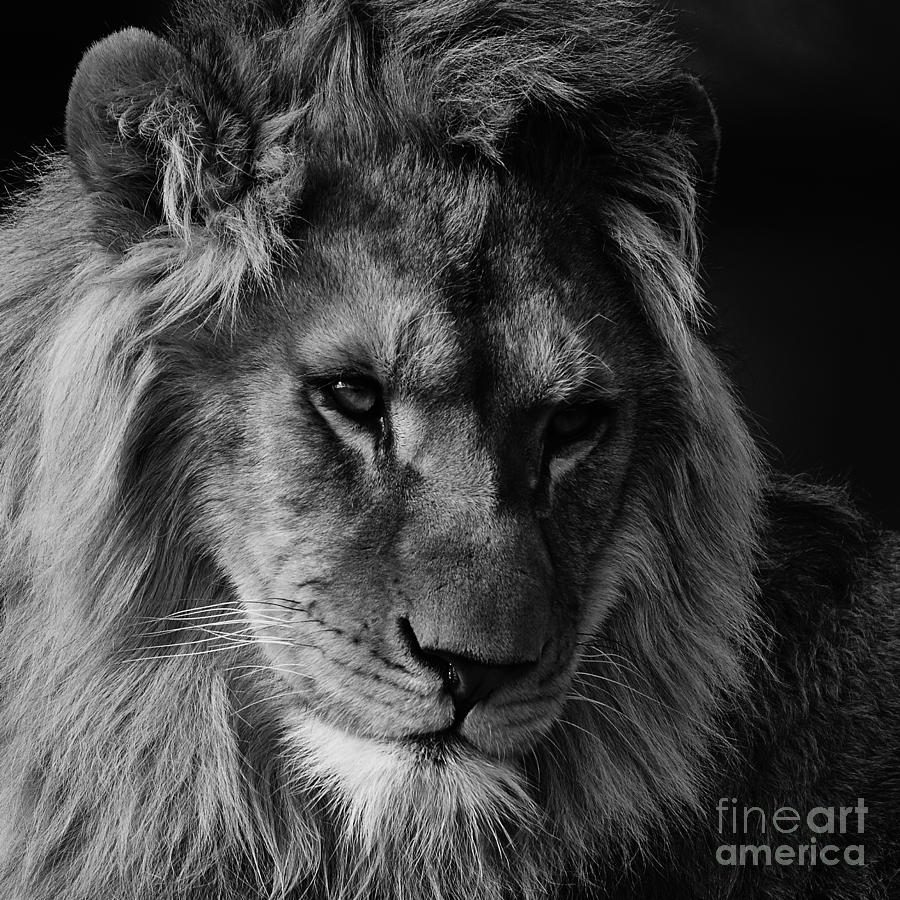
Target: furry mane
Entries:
(260, 91)
(136, 768)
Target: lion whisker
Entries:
(269, 698)
(266, 668)
(552, 745)
(601, 706)
(231, 642)
(621, 666)
(594, 738)
(186, 623)
(207, 652)
(232, 607)
(634, 690)
(205, 629)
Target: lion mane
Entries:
(137, 766)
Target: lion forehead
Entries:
(437, 322)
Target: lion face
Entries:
(415, 460)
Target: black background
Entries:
(800, 252)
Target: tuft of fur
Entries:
(139, 764)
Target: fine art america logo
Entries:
(823, 835)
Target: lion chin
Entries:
(434, 787)
(432, 815)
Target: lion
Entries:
(377, 518)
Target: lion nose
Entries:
(468, 681)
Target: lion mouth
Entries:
(359, 763)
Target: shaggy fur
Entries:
(204, 690)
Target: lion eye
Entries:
(356, 398)
(572, 424)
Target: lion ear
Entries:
(695, 117)
(150, 138)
